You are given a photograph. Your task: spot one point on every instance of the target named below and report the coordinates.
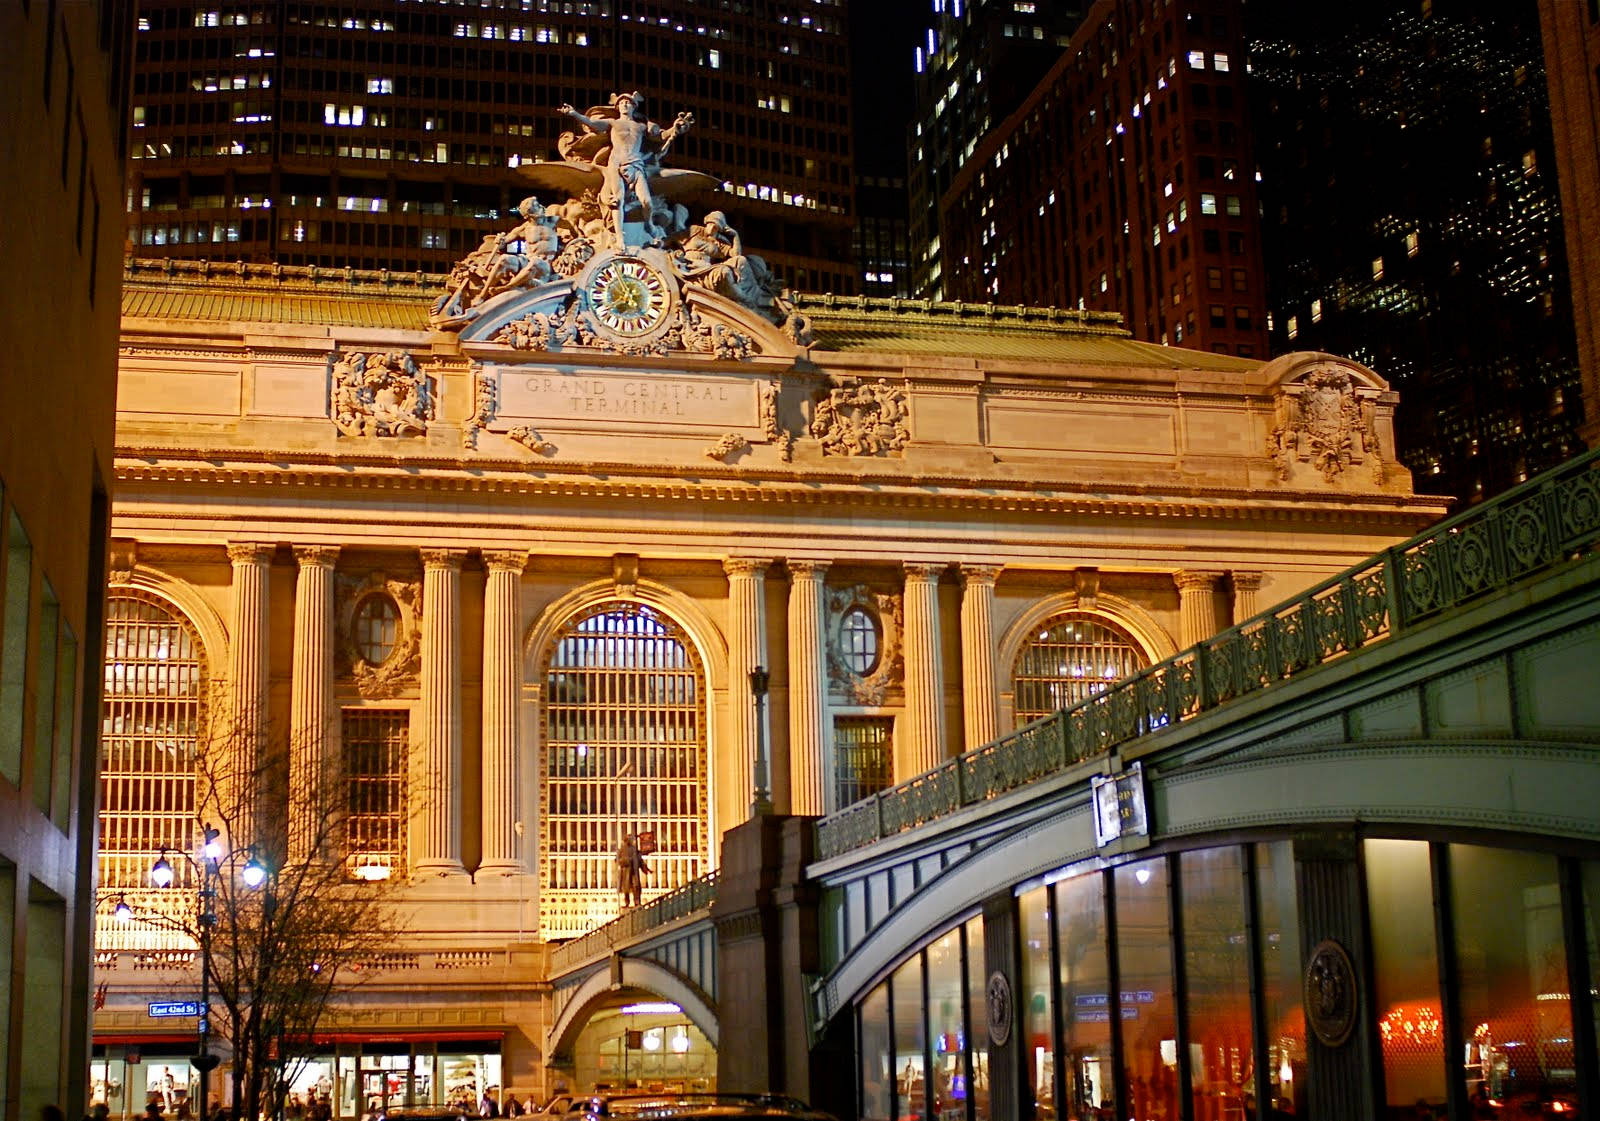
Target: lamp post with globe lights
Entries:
(209, 867)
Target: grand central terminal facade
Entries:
(503, 549)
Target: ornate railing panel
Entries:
(1528, 529)
(692, 897)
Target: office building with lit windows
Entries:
(1124, 183)
(1413, 219)
(975, 63)
(388, 135)
(63, 72)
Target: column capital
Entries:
(443, 558)
(250, 552)
(505, 560)
(813, 569)
(980, 574)
(1194, 580)
(316, 556)
(1247, 581)
(746, 566)
(923, 572)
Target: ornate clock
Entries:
(628, 296)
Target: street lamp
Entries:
(759, 680)
(162, 874)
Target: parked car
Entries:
(696, 1107)
(425, 1113)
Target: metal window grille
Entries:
(377, 628)
(1073, 657)
(375, 744)
(624, 751)
(863, 757)
(151, 718)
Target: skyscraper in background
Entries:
(975, 63)
(376, 134)
(1412, 222)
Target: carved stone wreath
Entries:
(866, 419)
(399, 672)
(885, 609)
(1326, 422)
(378, 394)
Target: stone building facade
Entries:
(503, 551)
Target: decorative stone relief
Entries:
(1323, 420)
(521, 257)
(769, 410)
(866, 419)
(398, 673)
(886, 608)
(379, 394)
(730, 444)
(530, 439)
(569, 326)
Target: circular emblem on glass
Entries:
(628, 296)
(999, 1000)
(1330, 993)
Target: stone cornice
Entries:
(795, 486)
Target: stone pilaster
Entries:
(1197, 606)
(980, 696)
(747, 649)
(502, 692)
(809, 754)
(1245, 587)
(313, 724)
(437, 846)
(924, 722)
(247, 673)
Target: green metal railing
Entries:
(1526, 530)
(696, 895)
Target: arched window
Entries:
(155, 679)
(1069, 658)
(624, 752)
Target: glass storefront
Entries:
(1172, 986)
(359, 1078)
(650, 1046)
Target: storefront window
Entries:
(1590, 909)
(1144, 965)
(467, 1076)
(946, 1013)
(977, 1021)
(1217, 982)
(1515, 1012)
(877, 1070)
(1085, 987)
(910, 1041)
(1279, 946)
(1406, 973)
(1038, 1045)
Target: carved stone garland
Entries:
(379, 394)
(866, 419)
(399, 672)
(1325, 422)
(887, 610)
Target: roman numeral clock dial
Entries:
(628, 296)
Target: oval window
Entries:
(858, 641)
(377, 629)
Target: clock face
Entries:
(628, 296)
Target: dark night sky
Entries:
(882, 35)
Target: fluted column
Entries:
(502, 691)
(438, 844)
(924, 723)
(313, 730)
(980, 695)
(809, 757)
(747, 649)
(1197, 597)
(236, 766)
(1245, 587)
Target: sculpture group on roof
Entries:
(618, 199)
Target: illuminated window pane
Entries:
(376, 628)
(1406, 973)
(375, 745)
(1084, 992)
(858, 641)
(1144, 973)
(1217, 984)
(863, 757)
(1038, 1046)
(624, 750)
(1072, 656)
